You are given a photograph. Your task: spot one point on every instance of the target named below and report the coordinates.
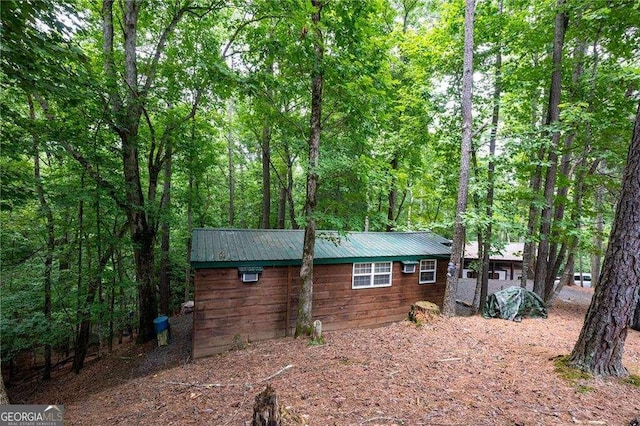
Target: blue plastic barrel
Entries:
(161, 323)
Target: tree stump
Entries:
(265, 410)
(423, 311)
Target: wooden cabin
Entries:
(247, 281)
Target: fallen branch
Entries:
(201, 385)
(401, 421)
(221, 385)
(449, 359)
(278, 372)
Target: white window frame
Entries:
(428, 265)
(372, 273)
(250, 277)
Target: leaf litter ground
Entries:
(452, 371)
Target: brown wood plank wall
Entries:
(229, 312)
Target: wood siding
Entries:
(230, 313)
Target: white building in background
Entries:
(503, 265)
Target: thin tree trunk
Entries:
(292, 206)
(553, 117)
(231, 167)
(51, 242)
(557, 251)
(266, 177)
(530, 247)
(596, 257)
(187, 271)
(83, 335)
(476, 305)
(449, 304)
(165, 231)
(305, 301)
(393, 194)
(600, 346)
(481, 266)
(112, 306)
(282, 206)
(495, 118)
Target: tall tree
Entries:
(165, 231)
(305, 303)
(485, 236)
(553, 117)
(457, 247)
(600, 346)
(51, 244)
(128, 99)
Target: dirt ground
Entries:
(456, 371)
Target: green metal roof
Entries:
(219, 248)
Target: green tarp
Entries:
(514, 303)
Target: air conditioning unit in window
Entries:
(409, 267)
(250, 277)
(250, 274)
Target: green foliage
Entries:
(574, 376)
(633, 380)
(317, 341)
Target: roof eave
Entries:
(322, 261)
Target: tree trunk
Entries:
(530, 248)
(449, 304)
(126, 101)
(557, 251)
(495, 118)
(231, 167)
(265, 223)
(165, 261)
(393, 194)
(83, 335)
(553, 117)
(148, 309)
(51, 242)
(596, 258)
(187, 271)
(482, 266)
(600, 346)
(305, 302)
(292, 206)
(282, 206)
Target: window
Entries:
(408, 267)
(250, 274)
(249, 277)
(367, 275)
(427, 271)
